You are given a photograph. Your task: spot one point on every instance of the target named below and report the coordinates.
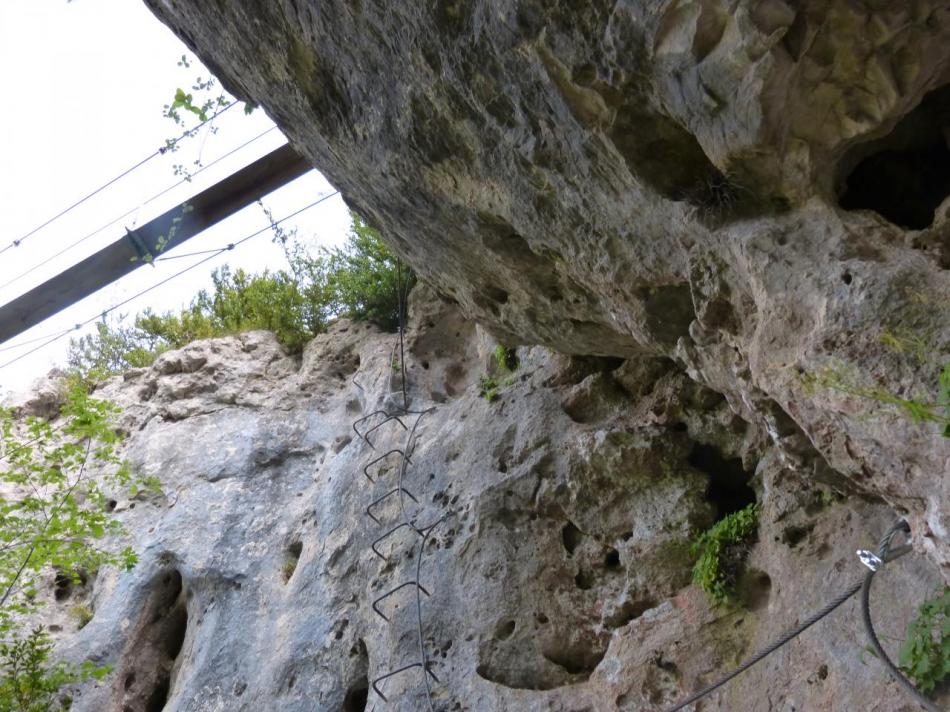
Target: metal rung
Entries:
(379, 425)
(396, 672)
(391, 591)
(357, 422)
(380, 499)
(387, 535)
(380, 459)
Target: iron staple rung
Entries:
(375, 413)
(389, 534)
(379, 425)
(381, 678)
(391, 591)
(381, 458)
(380, 499)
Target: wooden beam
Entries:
(174, 227)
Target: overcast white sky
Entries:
(84, 85)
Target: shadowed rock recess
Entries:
(680, 210)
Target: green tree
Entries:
(53, 517)
(360, 280)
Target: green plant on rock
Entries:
(504, 361)
(288, 568)
(488, 388)
(29, 682)
(925, 654)
(82, 614)
(919, 408)
(721, 551)
(54, 506)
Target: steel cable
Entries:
(407, 522)
(801, 628)
(170, 144)
(165, 281)
(112, 222)
(892, 669)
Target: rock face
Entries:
(754, 189)
(557, 578)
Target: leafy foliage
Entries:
(721, 549)
(488, 388)
(52, 514)
(504, 361)
(925, 655)
(29, 683)
(54, 504)
(185, 101)
(360, 280)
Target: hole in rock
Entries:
(571, 537)
(357, 691)
(754, 589)
(504, 630)
(62, 586)
(156, 701)
(575, 658)
(905, 175)
(145, 679)
(729, 488)
(612, 560)
(584, 581)
(793, 536)
(630, 610)
(356, 697)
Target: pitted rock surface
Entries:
(559, 578)
(755, 189)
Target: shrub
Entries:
(721, 551)
(53, 515)
(360, 280)
(506, 359)
(925, 655)
(54, 507)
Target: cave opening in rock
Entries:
(357, 692)
(147, 671)
(905, 175)
(729, 488)
(156, 701)
(356, 697)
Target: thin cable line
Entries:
(885, 555)
(159, 152)
(166, 280)
(136, 208)
(20, 345)
(193, 254)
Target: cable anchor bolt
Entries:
(870, 559)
